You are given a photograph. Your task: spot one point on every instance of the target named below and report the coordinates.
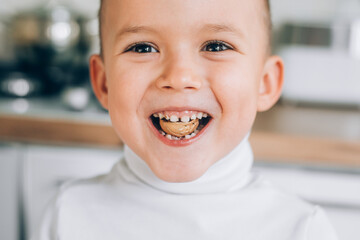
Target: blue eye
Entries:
(141, 48)
(216, 46)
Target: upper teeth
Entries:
(184, 118)
(174, 118)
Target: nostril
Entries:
(179, 80)
(190, 88)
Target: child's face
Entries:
(204, 56)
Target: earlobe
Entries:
(271, 83)
(98, 80)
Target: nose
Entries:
(179, 74)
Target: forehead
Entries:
(183, 15)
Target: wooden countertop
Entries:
(274, 146)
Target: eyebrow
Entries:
(207, 27)
(222, 28)
(134, 29)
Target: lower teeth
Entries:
(170, 137)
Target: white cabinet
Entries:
(47, 167)
(9, 186)
(338, 192)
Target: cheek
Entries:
(126, 89)
(235, 88)
(127, 84)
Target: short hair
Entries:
(266, 18)
(268, 24)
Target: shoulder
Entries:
(73, 196)
(302, 218)
(319, 227)
(275, 196)
(85, 190)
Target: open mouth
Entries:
(180, 126)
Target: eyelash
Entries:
(132, 47)
(223, 44)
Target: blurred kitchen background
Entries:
(52, 129)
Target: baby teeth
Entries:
(170, 137)
(185, 119)
(174, 118)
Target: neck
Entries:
(228, 174)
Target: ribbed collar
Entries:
(228, 174)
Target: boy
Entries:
(182, 81)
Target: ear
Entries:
(271, 83)
(98, 80)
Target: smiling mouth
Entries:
(180, 126)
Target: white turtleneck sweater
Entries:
(227, 202)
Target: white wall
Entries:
(305, 10)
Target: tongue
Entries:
(179, 129)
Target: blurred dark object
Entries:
(341, 35)
(50, 44)
(5, 43)
(18, 84)
(306, 34)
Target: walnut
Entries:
(179, 129)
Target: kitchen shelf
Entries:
(289, 135)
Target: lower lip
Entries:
(179, 143)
